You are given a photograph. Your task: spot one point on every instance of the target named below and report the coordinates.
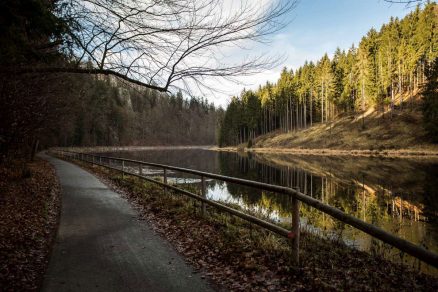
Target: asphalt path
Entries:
(102, 246)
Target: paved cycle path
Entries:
(101, 246)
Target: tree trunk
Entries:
(311, 113)
(297, 117)
(304, 112)
(326, 104)
(291, 114)
(392, 99)
(322, 102)
(287, 115)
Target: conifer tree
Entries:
(387, 63)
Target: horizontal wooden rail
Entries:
(272, 227)
(400, 243)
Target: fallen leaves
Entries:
(235, 257)
(29, 209)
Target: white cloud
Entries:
(282, 44)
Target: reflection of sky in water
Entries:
(219, 192)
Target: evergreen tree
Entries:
(385, 66)
(430, 105)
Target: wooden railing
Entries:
(297, 197)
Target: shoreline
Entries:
(384, 153)
(132, 148)
(397, 153)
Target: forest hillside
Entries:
(370, 130)
(379, 94)
(112, 113)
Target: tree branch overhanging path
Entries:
(162, 44)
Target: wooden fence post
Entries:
(203, 194)
(295, 231)
(165, 180)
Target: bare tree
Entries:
(162, 44)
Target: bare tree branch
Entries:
(408, 3)
(78, 70)
(159, 43)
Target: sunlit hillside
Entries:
(372, 130)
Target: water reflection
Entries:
(398, 195)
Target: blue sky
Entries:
(323, 25)
(317, 27)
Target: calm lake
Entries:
(398, 195)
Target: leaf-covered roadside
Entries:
(29, 213)
(239, 257)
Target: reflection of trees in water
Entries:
(377, 203)
(368, 188)
(396, 186)
(430, 197)
(389, 193)
(431, 202)
(234, 165)
(198, 159)
(401, 177)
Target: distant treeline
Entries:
(108, 113)
(388, 64)
(61, 109)
(85, 110)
